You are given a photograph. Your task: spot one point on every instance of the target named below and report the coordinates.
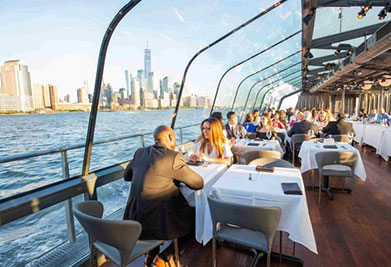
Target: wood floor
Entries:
(346, 234)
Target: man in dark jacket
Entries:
(339, 127)
(304, 126)
(155, 200)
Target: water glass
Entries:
(311, 132)
(268, 134)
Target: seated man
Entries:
(232, 127)
(155, 200)
(372, 116)
(304, 126)
(383, 116)
(339, 127)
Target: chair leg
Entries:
(93, 262)
(178, 264)
(268, 260)
(320, 187)
(294, 248)
(214, 252)
(280, 246)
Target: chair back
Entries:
(282, 137)
(325, 158)
(341, 138)
(121, 235)
(298, 139)
(262, 219)
(271, 163)
(256, 154)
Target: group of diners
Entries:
(380, 117)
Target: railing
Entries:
(20, 205)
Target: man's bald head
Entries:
(164, 135)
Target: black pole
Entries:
(174, 116)
(244, 61)
(259, 71)
(286, 96)
(277, 73)
(98, 82)
(264, 95)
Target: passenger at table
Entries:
(330, 116)
(219, 116)
(266, 126)
(296, 118)
(233, 128)
(213, 145)
(249, 124)
(372, 116)
(276, 123)
(283, 118)
(382, 116)
(255, 114)
(339, 127)
(155, 200)
(290, 112)
(304, 126)
(321, 121)
(362, 114)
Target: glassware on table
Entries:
(350, 136)
(269, 134)
(311, 133)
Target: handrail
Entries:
(268, 77)
(263, 97)
(98, 82)
(259, 71)
(287, 95)
(247, 59)
(77, 146)
(267, 10)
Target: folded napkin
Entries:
(291, 189)
(264, 169)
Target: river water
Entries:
(26, 238)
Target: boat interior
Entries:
(343, 71)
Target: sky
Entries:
(60, 41)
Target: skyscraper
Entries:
(82, 95)
(147, 62)
(127, 83)
(16, 85)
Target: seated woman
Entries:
(212, 146)
(250, 124)
(276, 123)
(321, 121)
(265, 127)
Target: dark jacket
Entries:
(228, 128)
(338, 127)
(155, 200)
(302, 127)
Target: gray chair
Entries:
(271, 162)
(342, 138)
(251, 155)
(296, 141)
(258, 226)
(118, 240)
(326, 158)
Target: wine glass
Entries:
(269, 134)
(350, 136)
(311, 132)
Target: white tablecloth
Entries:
(384, 145)
(265, 190)
(210, 174)
(309, 149)
(241, 146)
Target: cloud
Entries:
(179, 16)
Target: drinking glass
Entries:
(269, 134)
(350, 136)
(311, 132)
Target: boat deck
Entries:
(347, 234)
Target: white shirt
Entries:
(196, 150)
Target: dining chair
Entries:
(326, 160)
(256, 154)
(257, 226)
(271, 163)
(342, 138)
(118, 240)
(296, 141)
(251, 135)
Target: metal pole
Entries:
(259, 71)
(174, 116)
(288, 95)
(98, 82)
(263, 98)
(181, 135)
(142, 140)
(68, 203)
(247, 59)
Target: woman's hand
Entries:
(193, 158)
